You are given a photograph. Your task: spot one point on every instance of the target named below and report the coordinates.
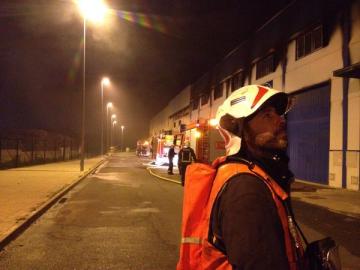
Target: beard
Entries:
(271, 141)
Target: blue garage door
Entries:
(308, 125)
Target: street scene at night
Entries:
(180, 134)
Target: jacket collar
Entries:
(276, 165)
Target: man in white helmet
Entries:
(245, 224)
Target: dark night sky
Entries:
(149, 58)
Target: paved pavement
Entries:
(341, 201)
(26, 191)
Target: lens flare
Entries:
(147, 21)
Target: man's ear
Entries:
(232, 124)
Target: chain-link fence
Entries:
(17, 152)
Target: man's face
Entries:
(267, 130)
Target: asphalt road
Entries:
(121, 217)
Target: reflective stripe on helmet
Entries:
(261, 92)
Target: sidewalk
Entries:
(342, 201)
(23, 191)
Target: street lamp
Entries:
(113, 118)
(122, 138)
(92, 10)
(109, 105)
(113, 123)
(104, 81)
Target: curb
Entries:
(44, 207)
(317, 185)
(161, 177)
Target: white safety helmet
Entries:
(241, 104)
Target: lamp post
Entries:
(113, 123)
(104, 81)
(109, 105)
(122, 138)
(113, 119)
(93, 10)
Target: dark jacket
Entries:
(245, 219)
(186, 155)
(171, 153)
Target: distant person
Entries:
(171, 155)
(152, 147)
(186, 157)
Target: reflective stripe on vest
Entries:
(191, 240)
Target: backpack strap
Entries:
(228, 170)
(246, 167)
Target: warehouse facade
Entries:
(311, 50)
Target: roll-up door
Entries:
(308, 125)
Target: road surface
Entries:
(121, 217)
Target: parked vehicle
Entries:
(143, 148)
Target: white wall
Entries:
(336, 134)
(314, 68)
(352, 158)
(161, 120)
(353, 155)
(180, 101)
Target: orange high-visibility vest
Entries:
(202, 186)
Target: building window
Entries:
(309, 42)
(204, 99)
(195, 104)
(265, 66)
(218, 91)
(174, 124)
(228, 87)
(236, 81)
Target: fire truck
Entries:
(164, 143)
(143, 148)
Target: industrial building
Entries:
(310, 50)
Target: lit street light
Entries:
(122, 138)
(113, 119)
(109, 105)
(113, 123)
(213, 122)
(104, 81)
(92, 10)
